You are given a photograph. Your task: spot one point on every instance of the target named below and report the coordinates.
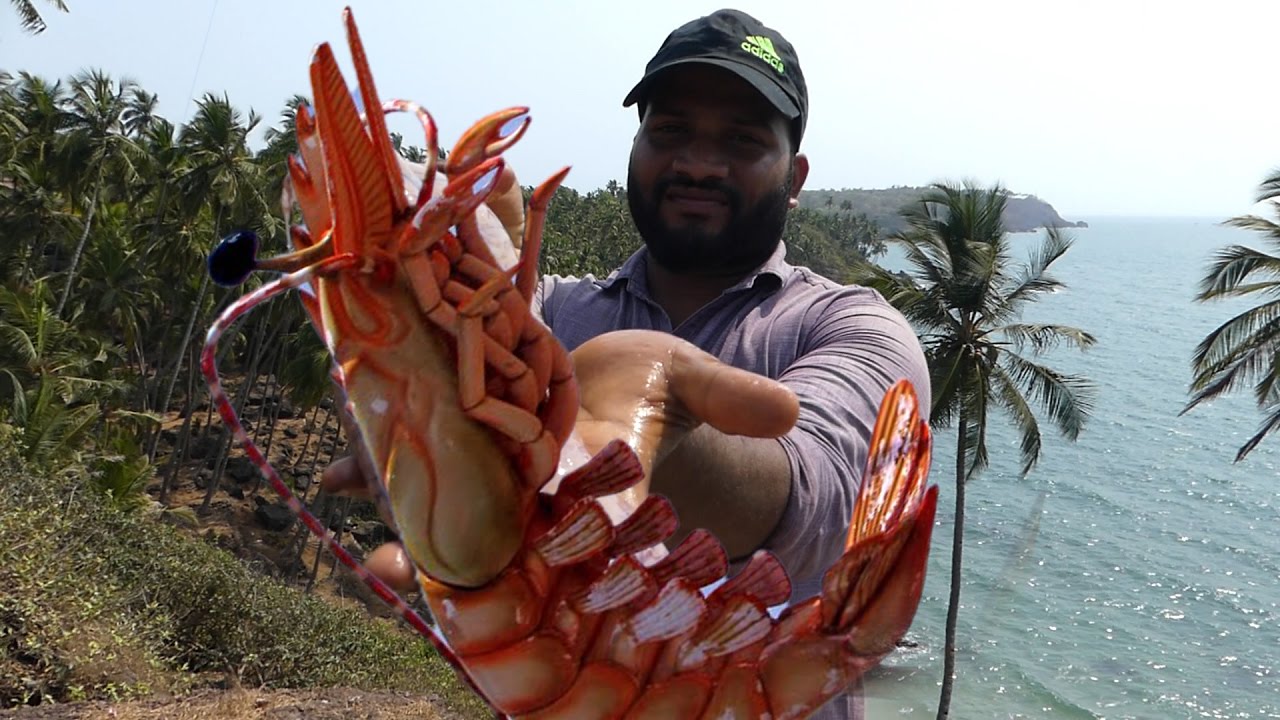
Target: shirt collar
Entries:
(633, 273)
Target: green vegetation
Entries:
(30, 17)
(965, 298)
(886, 207)
(1244, 350)
(98, 601)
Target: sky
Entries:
(1113, 107)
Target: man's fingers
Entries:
(390, 563)
(343, 477)
(732, 400)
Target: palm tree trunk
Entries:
(257, 351)
(178, 454)
(272, 398)
(163, 406)
(310, 427)
(953, 603)
(343, 515)
(84, 238)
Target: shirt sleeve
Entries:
(857, 347)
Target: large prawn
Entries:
(548, 605)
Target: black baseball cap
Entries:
(735, 41)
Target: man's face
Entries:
(712, 173)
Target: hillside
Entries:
(1024, 213)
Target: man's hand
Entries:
(651, 389)
(506, 200)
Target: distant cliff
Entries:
(1023, 213)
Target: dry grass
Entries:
(321, 704)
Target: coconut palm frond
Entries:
(1232, 266)
(1042, 337)
(1067, 399)
(1011, 399)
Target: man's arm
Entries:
(736, 487)
(794, 496)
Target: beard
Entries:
(747, 240)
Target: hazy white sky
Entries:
(1100, 107)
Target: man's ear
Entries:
(797, 179)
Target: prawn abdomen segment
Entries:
(437, 464)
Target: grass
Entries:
(99, 602)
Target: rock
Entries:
(198, 450)
(241, 469)
(274, 517)
(370, 533)
(291, 432)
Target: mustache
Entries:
(732, 196)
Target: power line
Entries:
(200, 61)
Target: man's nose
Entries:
(700, 159)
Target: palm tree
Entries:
(35, 216)
(1243, 350)
(31, 20)
(40, 107)
(282, 141)
(56, 381)
(97, 141)
(221, 172)
(965, 299)
(140, 112)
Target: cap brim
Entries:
(753, 75)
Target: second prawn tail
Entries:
(870, 595)
(872, 592)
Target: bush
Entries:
(97, 602)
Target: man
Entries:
(714, 168)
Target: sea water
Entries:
(1134, 573)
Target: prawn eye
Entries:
(234, 258)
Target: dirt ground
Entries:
(231, 523)
(322, 704)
